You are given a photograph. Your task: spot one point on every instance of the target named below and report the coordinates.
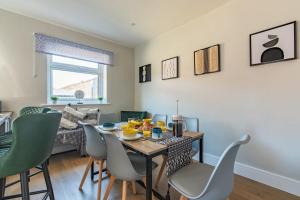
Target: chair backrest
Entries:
(95, 143)
(132, 114)
(118, 162)
(33, 110)
(108, 117)
(220, 184)
(160, 117)
(33, 140)
(191, 124)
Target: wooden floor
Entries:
(66, 172)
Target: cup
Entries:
(156, 133)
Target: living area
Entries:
(149, 100)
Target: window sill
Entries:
(64, 103)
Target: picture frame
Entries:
(273, 45)
(170, 68)
(207, 60)
(145, 73)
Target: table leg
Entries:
(201, 150)
(149, 178)
(92, 171)
(2, 187)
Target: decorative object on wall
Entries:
(207, 60)
(273, 45)
(145, 73)
(170, 68)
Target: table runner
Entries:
(179, 152)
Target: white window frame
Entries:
(101, 72)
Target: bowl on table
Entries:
(129, 132)
(108, 125)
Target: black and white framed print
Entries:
(273, 45)
(207, 60)
(145, 73)
(170, 68)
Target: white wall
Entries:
(262, 100)
(18, 88)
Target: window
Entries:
(67, 75)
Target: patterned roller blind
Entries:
(56, 46)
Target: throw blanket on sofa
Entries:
(75, 137)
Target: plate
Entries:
(137, 136)
(108, 128)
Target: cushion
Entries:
(70, 117)
(92, 115)
(64, 123)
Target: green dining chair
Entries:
(6, 138)
(33, 140)
(33, 110)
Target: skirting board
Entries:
(274, 180)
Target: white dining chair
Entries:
(160, 117)
(125, 166)
(203, 182)
(96, 149)
(108, 118)
(190, 124)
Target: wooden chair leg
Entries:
(87, 169)
(133, 187)
(48, 181)
(2, 187)
(124, 191)
(108, 172)
(24, 186)
(108, 189)
(183, 198)
(163, 165)
(101, 162)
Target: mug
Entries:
(156, 133)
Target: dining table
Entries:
(150, 149)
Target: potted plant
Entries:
(100, 99)
(54, 99)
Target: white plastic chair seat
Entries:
(139, 163)
(192, 179)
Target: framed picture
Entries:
(170, 68)
(207, 60)
(145, 73)
(273, 45)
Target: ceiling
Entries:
(128, 22)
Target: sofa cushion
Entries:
(92, 115)
(64, 123)
(71, 117)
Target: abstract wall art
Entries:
(170, 68)
(207, 60)
(273, 45)
(145, 73)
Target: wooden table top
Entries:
(149, 147)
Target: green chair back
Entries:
(133, 114)
(33, 140)
(33, 110)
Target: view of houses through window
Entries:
(67, 75)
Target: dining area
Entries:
(129, 149)
(126, 151)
